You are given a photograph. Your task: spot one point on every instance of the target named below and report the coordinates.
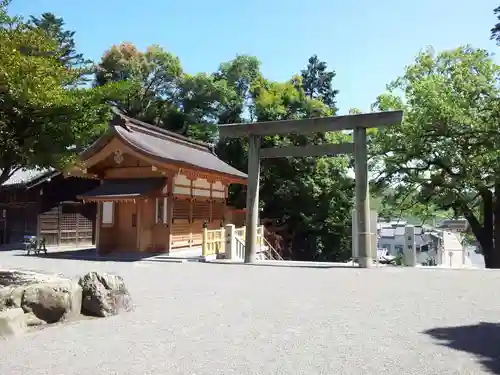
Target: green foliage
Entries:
(319, 186)
(161, 93)
(445, 154)
(45, 110)
(317, 83)
(42, 110)
(495, 30)
(65, 48)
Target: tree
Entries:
(312, 196)
(65, 48)
(317, 83)
(495, 30)
(160, 92)
(446, 153)
(153, 78)
(240, 74)
(42, 110)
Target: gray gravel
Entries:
(194, 318)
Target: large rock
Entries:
(21, 277)
(53, 301)
(104, 294)
(11, 296)
(12, 322)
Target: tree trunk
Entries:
(490, 252)
(5, 174)
(484, 233)
(494, 262)
(488, 231)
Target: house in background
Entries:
(454, 225)
(43, 202)
(391, 236)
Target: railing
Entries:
(239, 248)
(271, 253)
(213, 241)
(241, 232)
(231, 242)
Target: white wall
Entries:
(452, 254)
(390, 243)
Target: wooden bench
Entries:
(30, 244)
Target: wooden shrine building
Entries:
(43, 203)
(157, 188)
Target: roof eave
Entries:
(41, 180)
(99, 144)
(33, 182)
(237, 179)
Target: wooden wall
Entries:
(41, 208)
(63, 220)
(186, 216)
(68, 224)
(196, 201)
(193, 198)
(18, 213)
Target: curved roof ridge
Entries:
(156, 129)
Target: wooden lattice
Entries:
(73, 227)
(49, 221)
(201, 210)
(181, 234)
(69, 221)
(84, 223)
(181, 209)
(218, 209)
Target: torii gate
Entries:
(358, 123)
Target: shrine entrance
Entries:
(358, 123)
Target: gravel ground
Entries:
(194, 318)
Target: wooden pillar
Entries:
(229, 246)
(170, 208)
(98, 227)
(252, 199)
(77, 227)
(38, 210)
(59, 223)
(204, 240)
(138, 223)
(362, 205)
(191, 221)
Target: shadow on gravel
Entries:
(482, 340)
(90, 255)
(280, 263)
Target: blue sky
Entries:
(367, 42)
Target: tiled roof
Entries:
(26, 176)
(170, 146)
(387, 232)
(129, 187)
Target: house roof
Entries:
(387, 232)
(459, 223)
(124, 188)
(164, 145)
(28, 177)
